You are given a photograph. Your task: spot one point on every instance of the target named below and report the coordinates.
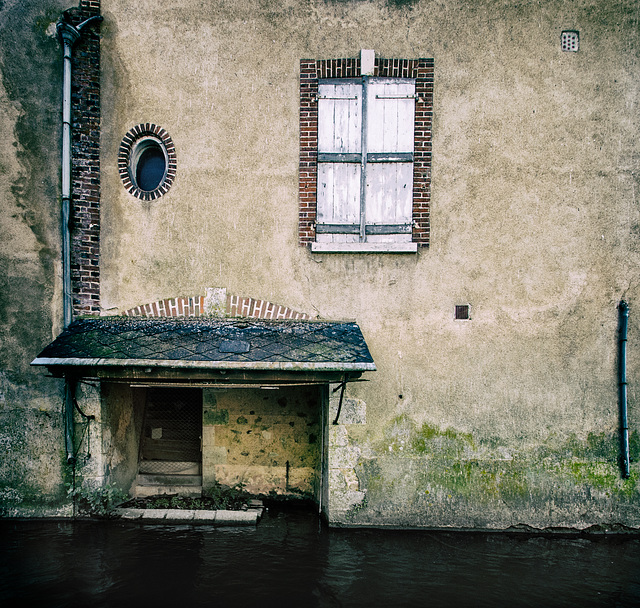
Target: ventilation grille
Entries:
(462, 312)
(570, 42)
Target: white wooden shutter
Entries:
(389, 162)
(339, 161)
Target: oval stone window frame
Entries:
(135, 143)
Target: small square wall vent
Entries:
(570, 41)
(462, 312)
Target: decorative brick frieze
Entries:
(310, 72)
(85, 163)
(234, 306)
(90, 5)
(173, 307)
(238, 306)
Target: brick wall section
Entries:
(308, 163)
(310, 71)
(236, 306)
(85, 168)
(423, 73)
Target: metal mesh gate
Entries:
(171, 431)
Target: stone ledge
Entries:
(249, 517)
(404, 247)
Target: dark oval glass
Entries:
(150, 168)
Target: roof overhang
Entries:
(208, 351)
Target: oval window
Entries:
(150, 168)
(147, 161)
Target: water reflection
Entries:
(290, 560)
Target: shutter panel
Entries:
(339, 161)
(389, 177)
(339, 117)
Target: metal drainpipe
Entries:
(623, 309)
(69, 35)
(69, 431)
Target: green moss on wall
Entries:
(433, 464)
(449, 440)
(634, 446)
(216, 416)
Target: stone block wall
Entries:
(268, 440)
(346, 493)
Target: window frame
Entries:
(133, 145)
(312, 74)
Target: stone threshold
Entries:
(220, 517)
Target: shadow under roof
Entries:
(209, 344)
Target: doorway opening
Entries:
(170, 458)
(270, 440)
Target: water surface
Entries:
(290, 559)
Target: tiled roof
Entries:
(208, 343)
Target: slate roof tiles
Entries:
(210, 343)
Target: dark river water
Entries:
(289, 559)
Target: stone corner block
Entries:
(180, 515)
(236, 518)
(129, 513)
(204, 517)
(154, 514)
(354, 411)
(344, 457)
(338, 436)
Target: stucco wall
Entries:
(122, 413)
(31, 438)
(508, 418)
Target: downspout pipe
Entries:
(69, 35)
(69, 434)
(623, 309)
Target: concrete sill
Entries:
(364, 247)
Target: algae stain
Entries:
(598, 446)
(215, 417)
(446, 461)
(430, 439)
(634, 446)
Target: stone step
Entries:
(161, 479)
(142, 491)
(173, 467)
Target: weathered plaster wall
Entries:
(31, 438)
(268, 440)
(508, 418)
(122, 414)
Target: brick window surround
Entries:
(311, 71)
(162, 138)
